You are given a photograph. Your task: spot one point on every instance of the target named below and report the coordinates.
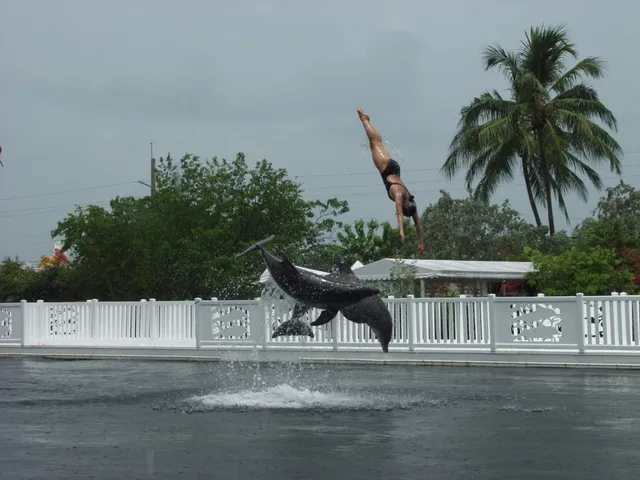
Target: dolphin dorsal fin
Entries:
(287, 263)
(344, 268)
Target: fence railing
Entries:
(510, 324)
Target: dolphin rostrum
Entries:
(370, 310)
(309, 288)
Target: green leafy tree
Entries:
(20, 282)
(403, 279)
(320, 245)
(547, 127)
(597, 271)
(373, 240)
(181, 242)
(15, 279)
(615, 224)
(473, 229)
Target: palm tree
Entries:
(546, 127)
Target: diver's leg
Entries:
(379, 154)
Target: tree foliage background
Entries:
(181, 242)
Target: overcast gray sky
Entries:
(86, 85)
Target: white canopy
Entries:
(266, 276)
(480, 270)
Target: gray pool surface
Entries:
(163, 420)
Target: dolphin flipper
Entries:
(295, 326)
(325, 317)
(256, 246)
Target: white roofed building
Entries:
(443, 277)
(470, 277)
(265, 277)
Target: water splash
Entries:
(299, 387)
(290, 397)
(281, 397)
(520, 408)
(280, 304)
(272, 294)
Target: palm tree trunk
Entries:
(547, 182)
(527, 182)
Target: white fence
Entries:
(579, 324)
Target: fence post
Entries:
(336, 328)
(492, 322)
(625, 309)
(462, 316)
(582, 320)
(153, 321)
(615, 318)
(196, 320)
(144, 318)
(23, 314)
(259, 324)
(41, 322)
(393, 317)
(411, 322)
(93, 311)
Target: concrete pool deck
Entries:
(603, 359)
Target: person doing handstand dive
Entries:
(390, 172)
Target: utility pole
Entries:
(153, 172)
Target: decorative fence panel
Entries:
(111, 324)
(12, 324)
(551, 323)
(598, 324)
(612, 322)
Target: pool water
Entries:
(179, 420)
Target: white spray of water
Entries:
(282, 397)
(281, 305)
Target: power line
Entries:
(54, 206)
(341, 174)
(68, 191)
(58, 208)
(52, 209)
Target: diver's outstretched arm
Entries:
(416, 220)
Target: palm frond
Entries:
(506, 62)
(498, 168)
(584, 101)
(543, 51)
(591, 67)
(485, 108)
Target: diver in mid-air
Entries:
(390, 171)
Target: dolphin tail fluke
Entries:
(294, 326)
(257, 245)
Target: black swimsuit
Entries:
(393, 168)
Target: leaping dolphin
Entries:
(309, 288)
(370, 310)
